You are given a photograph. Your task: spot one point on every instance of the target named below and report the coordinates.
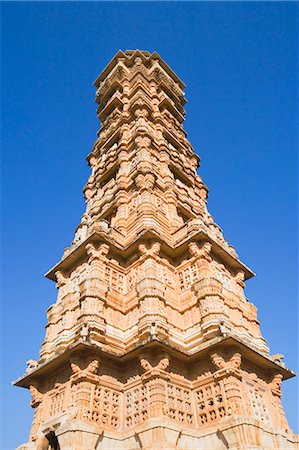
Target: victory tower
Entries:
(152, 343)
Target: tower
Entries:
(151, 343)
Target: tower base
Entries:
(235, 433)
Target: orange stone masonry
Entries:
(151, 343)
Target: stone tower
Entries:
(151, 343)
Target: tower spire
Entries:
(151, 329)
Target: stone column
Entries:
(36, 404)
(82, 382)
(211, 305)
(120, 220)
(229, 371)
(93, 291)
(161, 434)
(157, 397)
(233, 391)
(78, 432)
(171, 201)
(275, 386)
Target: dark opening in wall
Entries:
(184, 214)
(180, 176)
(110, 216)
(53, 441)
(109, 175)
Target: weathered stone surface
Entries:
(152, 343)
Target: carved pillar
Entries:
(96, 265)
(275, 387)
(161, 436)
(145, 183)
(82, 382)
(171, 201)
(156, 379)
(211, 306)
(233, 391)
(208, 290)
(36, 404)
(151, 292)
(157, 395)
(121, 195)
(93, 290)
(229, 372)
(120, 220)
(151, 323)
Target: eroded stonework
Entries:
(151, 343)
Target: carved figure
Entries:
(163, 364)
(220, 363)
(36, 396)
(85, 219)
(240, 277)
(143, 250)
(75, 368)
(32, 364)
(100, 226)
(276, 383)
(203, 252)
(94, 253)
(193, 249)
(153, 330)
(66, 252)
(61, 279)
(91, 251)
(153, 250)
(91, 368)
(222, 328)
(84, 333)
(278, 357)
(146, 181)
(143, 142)
(235, 360)
(145, 364)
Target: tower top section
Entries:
(128, 57)
(135, 78)
(144, 183)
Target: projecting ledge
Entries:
(75, 254)
(203, 352)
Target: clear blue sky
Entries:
(239, 63)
